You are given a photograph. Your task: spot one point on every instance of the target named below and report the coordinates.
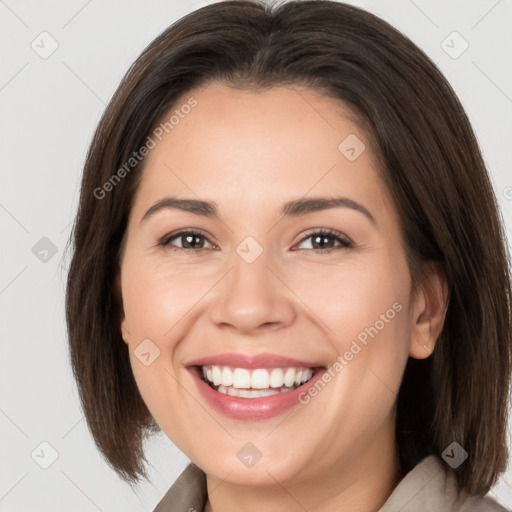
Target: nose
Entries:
(253, 297)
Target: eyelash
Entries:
(345, 243)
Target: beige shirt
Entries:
(428, 487)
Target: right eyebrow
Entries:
(197, 206)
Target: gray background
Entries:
(50, 107)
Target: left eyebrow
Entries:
(304, 206)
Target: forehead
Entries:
(247, 146)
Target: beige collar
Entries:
(428, 487)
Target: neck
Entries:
(361, 482)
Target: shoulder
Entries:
(482, 504)
(430, 487)
(188, 493)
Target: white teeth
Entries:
(276, 378)
(307, 375)
(245, 383)
(230, 390)
(289, 377)
(227, 377)
(259, 379)
(241, 378)
(217, 377)
(247, 393)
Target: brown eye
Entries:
(323, 241)
(192, 241)
(186, 240)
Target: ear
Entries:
(122, 316)
(428, 311)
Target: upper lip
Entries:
(252, 361)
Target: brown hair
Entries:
(433, 168)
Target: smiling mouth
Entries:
(255, 383)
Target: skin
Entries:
(250, 152)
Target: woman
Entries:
(288, 257)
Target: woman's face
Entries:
(253, 284)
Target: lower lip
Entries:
(252, 409)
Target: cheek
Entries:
(363, 307)
(157, 297)
(150, 311)
(359, 298)
(159, 303)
